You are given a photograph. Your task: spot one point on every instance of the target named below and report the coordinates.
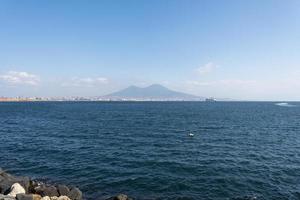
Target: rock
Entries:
(32, 185)
(28, 197)
(45, 198)
(63, 190)
(37, 197)
(63, 198)
(5, 175)
(121, 197)
(5, 197)
(43, 190)
(15, 189)
(24, 181)
(7, 180)
(75, 194)
(5, 186)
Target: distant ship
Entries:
(210, 99)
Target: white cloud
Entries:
(85, 82)
(207, 68)
(20, 78)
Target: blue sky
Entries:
(246, 50)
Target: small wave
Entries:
(285, 104)
(253, 197)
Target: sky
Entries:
(243, 50)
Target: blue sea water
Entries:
(239, 149)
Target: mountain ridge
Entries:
(152, 92)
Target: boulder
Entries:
(5, 197)
(7, 180)
(15, 189)
(37, 197)
(24, 181)
(46, 191)
(63, 190)
(45, 198)
(63, 198)
(32, 186)
(121, 197)
(5, 186)
(28, 197)
(75, 194)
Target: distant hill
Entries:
(152, 92)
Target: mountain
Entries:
(152, 92)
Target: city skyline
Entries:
(243, 50)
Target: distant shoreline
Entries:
(107, 101)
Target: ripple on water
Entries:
(240, 150)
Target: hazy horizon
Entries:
(242, 50)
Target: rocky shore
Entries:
(24, 188)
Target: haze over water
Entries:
(143, 148)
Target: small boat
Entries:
(210, 99)
(191, 134)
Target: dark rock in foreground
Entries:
(120, 197)
(63, 190)
(75, 194)
(43, 190)
(28, 197)
(7, 180)
(23, 188)
(5, 197)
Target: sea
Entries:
(157, 150)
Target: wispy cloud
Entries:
(207, 68)
(19, 78)
(85, 82)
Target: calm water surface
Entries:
(143, 148)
